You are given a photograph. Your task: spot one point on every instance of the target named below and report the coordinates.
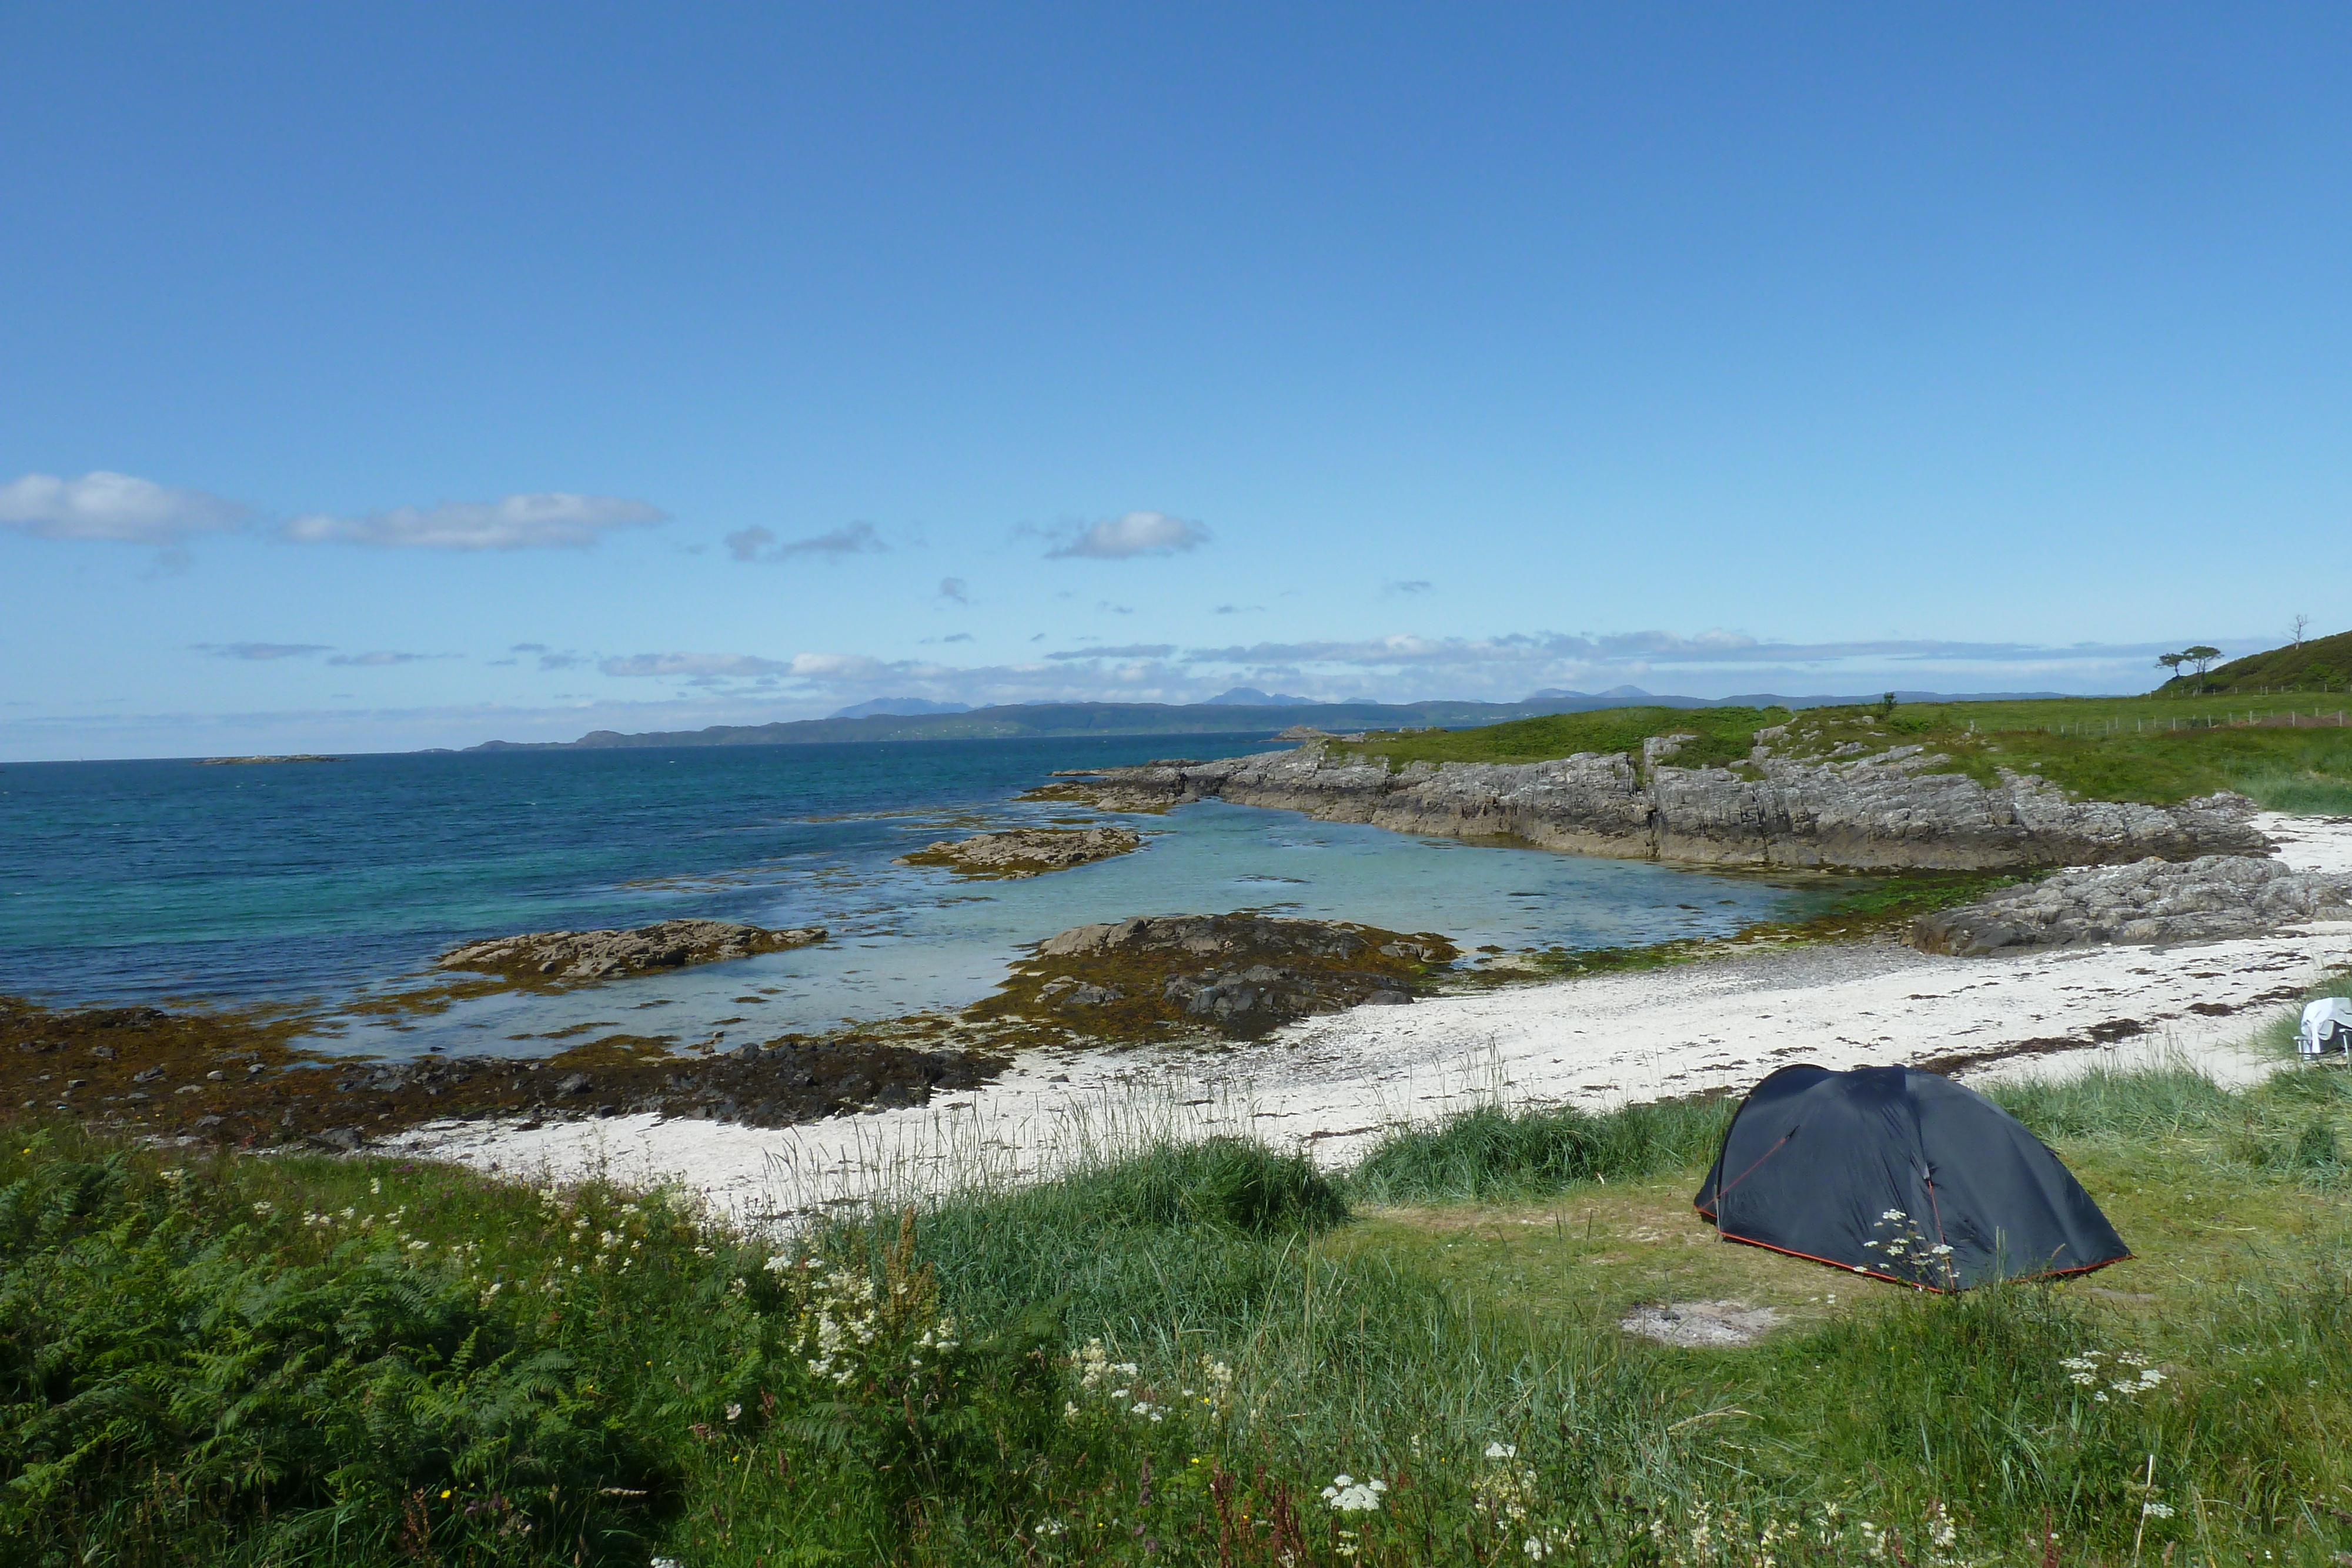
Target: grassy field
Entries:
(2154, 749)
(1197, 1355)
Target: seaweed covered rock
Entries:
(2208, 899)
(1239, 975)
(610, 955)
(1025, 851)
(231, 1078)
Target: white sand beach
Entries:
(1330, 1084)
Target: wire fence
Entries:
(2291, 718)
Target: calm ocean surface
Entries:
(326, 883)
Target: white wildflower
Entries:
(1347, 1495)
(263, 1208)
(734, 1412)
(1502, 1451)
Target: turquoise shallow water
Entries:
(320, 882)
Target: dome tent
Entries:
(1903, 1175)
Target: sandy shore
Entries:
(1333, 1083)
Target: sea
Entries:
(329, 888)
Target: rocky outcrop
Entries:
(1240, 974)
(612, 955)
(1025, 851)
(2204, 900)
(1890, 811)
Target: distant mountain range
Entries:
(1250, 696)
(1236, 712)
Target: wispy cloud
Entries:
(1130, 534)
(115, 507)
(384, 657)
(550, 658)
(263, 650)
(1130, 651)
(693, 665)
(955, 587)
(1411, 585)
(551, 520)
(757, 543)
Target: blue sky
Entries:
(381, 377)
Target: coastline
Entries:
(1332, 1084)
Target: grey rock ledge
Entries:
(1881, 812)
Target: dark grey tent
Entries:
(1903, 1175)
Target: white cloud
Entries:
(551, 520)
(1133, 534)
(116, 506)
(757, 543)
(384, 657)
(690, 664)
(263, 650)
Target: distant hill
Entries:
(2318, 663)
(1250, 696)
(897, 707)
(1039, 720)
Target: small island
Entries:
(249, 762)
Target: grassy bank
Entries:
(1170, 1358)
(2158, 750)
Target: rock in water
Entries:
(1025, 851)
(610, 955)
(2208, 899)
(1240, 974)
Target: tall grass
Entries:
(1490, 1153)
(2304, 791)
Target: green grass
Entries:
(1722, 735)
(187, 1378)
(2158, 750)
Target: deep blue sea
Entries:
(321, 883)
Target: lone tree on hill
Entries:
(2171, 661)
(2201, 656)
(2302, 624)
